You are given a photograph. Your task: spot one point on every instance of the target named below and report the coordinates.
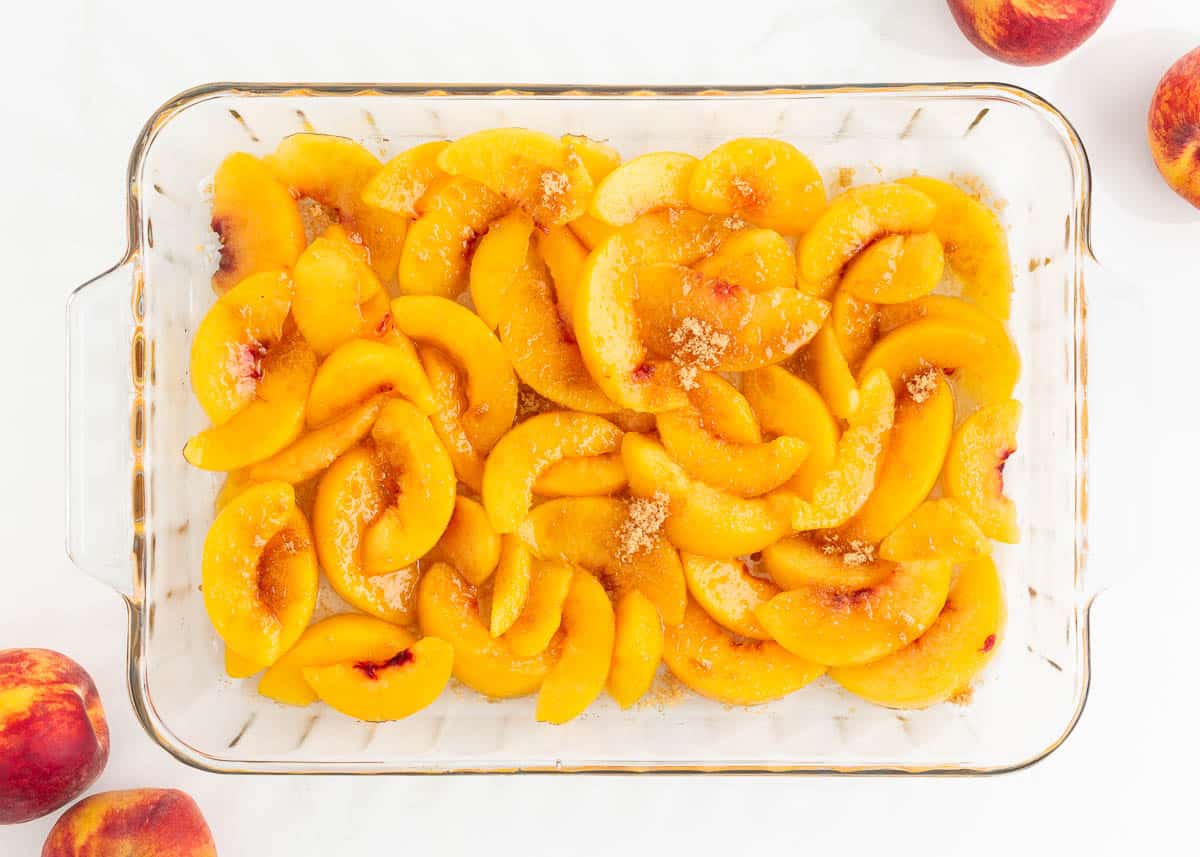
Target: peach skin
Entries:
(162, 822)
(1174, 127)
(1029, 32)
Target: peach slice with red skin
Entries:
(362, 369)
(579, 674)
(646, 183)
(338, 295)
(541, 616)
(469, 542)
(259, 573)
(584, 476)
(387, 689)
(498, 262)
(399, 185)
(256, 219)
(787, 405)
(319, 448)
(511, 583)
(735, 671)
(813, 560)
(637, 648)
(451, 400)
(756, 260)
(766, 181)
(937, 529)
(895, 269)
(728, 592)
(974, 473)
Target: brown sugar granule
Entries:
(698, 343)
(314, 216)
(858, 553)
(962, 696)
(845, 176)
(922, 385)
(530, 403)
(644, 519)
(665, 692)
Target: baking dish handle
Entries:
(104, 374)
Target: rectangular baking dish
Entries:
(138, 513)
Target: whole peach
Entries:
(1029, 32)
(53, 735)
(162, 822)
(1175, 127)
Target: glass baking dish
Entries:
(138, 513)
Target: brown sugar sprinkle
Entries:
(853, 551)
(644, 519)
(314, 216)
(922, 385)
(845, 176)
(698, 345)
(554, 186)
(665, 692)
(530, 403)
(962, 696)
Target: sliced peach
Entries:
(754, 259)
(448, 608)
(787, 405)
(436, 258)
(855, 326)
(717, 325)
(976, 246)
(585, 476)
(388, 689)
(598, 158)
(728, 592)
(897, 268)
(491, 384)
(565, 255)
(469, 542)
(233, 338)
(974, 473)
(637, 648)
(647, 183)
(236, 481)
(855, 219)
(451, 400)
(541, 616)
(514, 576)
(723, 410)
(732, 670)
(345, 637)
(808, 560)
(362, 369)
(937, 529)
(579, 674)
(268, 423)
(256, 219)
(769, 182)
(590, 231)
(259, 573)
(616, 538)
(830, 372)
(318, 449)
(841, 626)
(537, 172)
(403, 180)
(915, 450)
(944, 660)
(237, 666)
(338, 296)
(498, 262)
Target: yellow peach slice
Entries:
(469, 542)
(363, 368)
(403, 180)
(579, 674)
(768, 182)
(830, 372)
(974, 473)
(617, 539)
(841, 626)
(345, 637)
(514, 576)
(787, 405)
(976, 246)
(731, 670)
(590, 231)
(256, 219)
(855, 219)
(259, 573)
(647, 183)
(388, 689)
(855, 326)
(236, 481)
(448, 608)
(318, 449)
(498, 262)
(451, 401)
(565, 255)
(338, 296)
(491, 384)
(238, 667)
(943, 661)
(937, 529)
(755, 259)
(541, 616)
(728, 592)
(268, 423)
(539, 173)
(232, 339)
(598, 158)
(723, 410)
(897, 268)
(803, 560)
(585, 476)
(637, 648)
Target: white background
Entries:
(84, 74)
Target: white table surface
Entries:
(83, 76)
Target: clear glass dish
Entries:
(138, 513)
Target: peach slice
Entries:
(647, 183)
(915, 450)
(723, 410)
(976, 246)
(403, 180)
(637, 648)
(617, 539)
(341, 638)
(515, 463)
(897, 268)
(855, 326)
(564, 255)
(448, 608)
(769, 182)
(855, 219)
(937, 529)
(259, 573)
(271, 421)
(974, 473)
(585, 476)
(735, 671)
(755, 259)
(579, 674)
(538, 173)
(590, 231)
(233, 338)
(256, 219)
(728, 592)
(391, 688)
(436, 258)
(338, 296)
(541, 616)
(944, 660)
(717, 325)
(498, 262)
(238, 667)
(318, 449)
(598, 158)
(362, 369)
(702, 519)
(830, 372)
(469, 542)
(787, 405)
(491, 384)
(514, 576)
(805, 560)
(451, 400)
